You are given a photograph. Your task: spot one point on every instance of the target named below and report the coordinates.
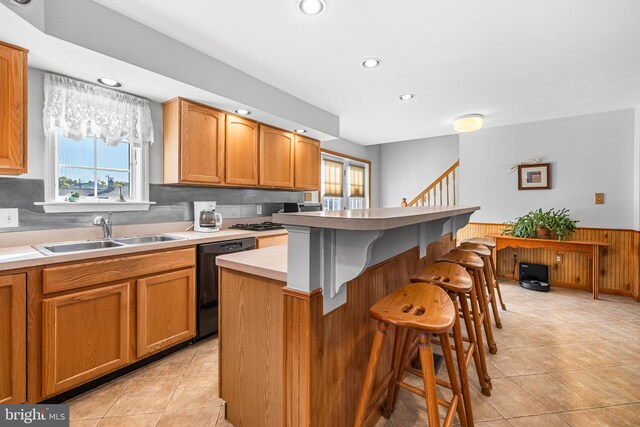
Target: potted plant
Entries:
(542, 224)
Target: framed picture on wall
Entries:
(534, 177)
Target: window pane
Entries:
(113, 157)
(356, 179)
(332, 178)
(332, 203)
(71, 180)
(75, 153)
(110, 181)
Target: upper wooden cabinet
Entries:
(241, 151)
(13, 110)
(276, 157)
(13, 337)
(307, 164)
(194, 136)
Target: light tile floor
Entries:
(563, 359)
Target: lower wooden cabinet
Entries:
(166, 310)
(13, 335)
(265, 242)
(84, 335)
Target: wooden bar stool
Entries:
(490, 295)
(425, 310)
(455, 280)
(474, 265)
(491, 244)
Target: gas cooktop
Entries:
(265, 226)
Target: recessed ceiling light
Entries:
(21, 2)
(109, 82)
(312, 7)
(371, 63)
(243, 112)
(407, 96)
(468, 123)
(300, 130)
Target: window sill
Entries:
(106, 206)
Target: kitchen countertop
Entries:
(371, 219)
(25, 256)
(269, 262)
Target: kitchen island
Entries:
(295, 333)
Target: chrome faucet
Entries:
(105, 224)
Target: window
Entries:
(345, 182)
(90, 169)
(97, 143)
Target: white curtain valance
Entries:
(82, 109)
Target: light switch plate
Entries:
(599, 199)
(9, 218)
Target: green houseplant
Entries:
(542, 224)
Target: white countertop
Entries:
(25, 256)
(371, 219)
(269, 262)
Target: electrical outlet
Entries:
(259, 210)
(599, 199)
(9, 218)
(558, 258)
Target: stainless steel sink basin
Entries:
(141, 240)
(77, 246)
(94, 245)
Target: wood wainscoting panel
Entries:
(326, 356)
(618, 263)
(251, 348)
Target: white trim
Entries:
(108, 205)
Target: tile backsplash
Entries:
(173, 203)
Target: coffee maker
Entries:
(206, 219)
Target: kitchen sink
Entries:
(94, 245)
(141, 240)
(77, 247)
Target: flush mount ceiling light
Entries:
(468, 123)
(371, 63)
(105, 81)
(21, 2)
(243, 112)
(407, 96)
(300, 130)
(312, 7)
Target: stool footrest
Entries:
(380, 388)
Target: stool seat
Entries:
(487, 241)
(417, 306)
(477, 248)
(449, 276)
(467, 259)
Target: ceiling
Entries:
(513, 61)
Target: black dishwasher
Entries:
(208, 281)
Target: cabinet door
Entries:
(276, 157)
(166, 310)
(13, 110)
(265, 242)
(201, 144)
(241, 151)
(13, 336)
(307, 163)
(84, 335)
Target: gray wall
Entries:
(588, 154)
(370, 152)
(408, 167)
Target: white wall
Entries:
(636, 170)
(370, 152)
(408, 167)
(588, 154)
